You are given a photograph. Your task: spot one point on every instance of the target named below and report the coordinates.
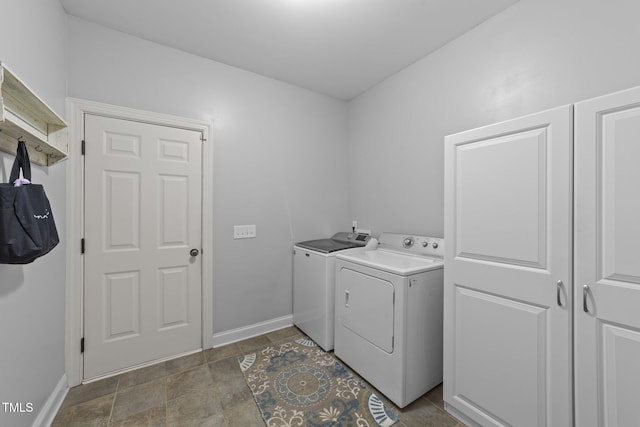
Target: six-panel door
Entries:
(142, 218)
(508, 207)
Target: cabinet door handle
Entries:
(585, 294)
(346, 298)
(559, 293)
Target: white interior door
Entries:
(508, 207)
(607, 313)
(142, 217)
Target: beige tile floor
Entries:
(203, 389)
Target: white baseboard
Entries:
(250, 331)
(53, 404)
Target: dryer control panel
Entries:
(412, 244)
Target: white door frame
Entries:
(76, 109)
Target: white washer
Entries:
(314, 284)
(388, 309)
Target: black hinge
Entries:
(82, 345)
(82, 147)
(82, 245)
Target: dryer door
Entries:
(366, 307)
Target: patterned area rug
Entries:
(298, 384)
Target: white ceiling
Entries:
(339, 48)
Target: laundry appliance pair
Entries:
(388, 313)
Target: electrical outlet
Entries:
(244, 231)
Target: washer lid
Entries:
(393, 262)
(338, 242)
(326, 245)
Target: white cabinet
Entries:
(542, 278)
(507, 323)
(607, 261)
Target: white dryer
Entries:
(388, 310)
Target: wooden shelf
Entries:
(24, 114)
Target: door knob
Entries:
(194, 252)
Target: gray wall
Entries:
(281, 152)
(279, 157)
(33, 45)
(535, 55)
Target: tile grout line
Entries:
(113, 402)
(166, 402)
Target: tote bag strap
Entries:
(21, 162)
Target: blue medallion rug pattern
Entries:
(298, 384)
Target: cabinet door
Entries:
(607, 297)
(508, 210)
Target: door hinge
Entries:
(82, 245)
(82, 345)
(82, 147)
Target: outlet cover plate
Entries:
(244, 231)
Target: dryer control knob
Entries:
(425, 244)
(408, 242)
(434, 245)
